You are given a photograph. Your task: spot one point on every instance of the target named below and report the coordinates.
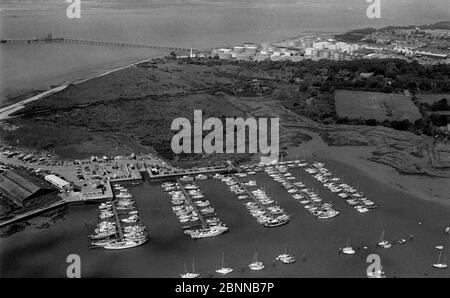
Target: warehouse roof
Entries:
(19, 185)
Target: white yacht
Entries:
(125, 244)
(192, 274)
(256, 265)
(440, 265)
(382, 242)
(224, 270)
(212, 231)
(348, 250)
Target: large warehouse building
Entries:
(23, 190)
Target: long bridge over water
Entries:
(94, 43)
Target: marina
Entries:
(251, 140)
(165, 254)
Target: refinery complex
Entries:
(317, 48)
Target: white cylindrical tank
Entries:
(248, 45)
(238, 49)
(324, 54)
(337, 55)
(225, 50)
(226, 56)
(308, 51)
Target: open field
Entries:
(375, 105)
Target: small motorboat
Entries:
(256, 265)
(347, 250)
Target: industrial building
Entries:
(22, 190)
(60, 183)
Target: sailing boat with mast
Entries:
(224, 270)
(192, 274)
(383, 243)
(440, 265)
(348, 250)
(285, 258)
(256, 265)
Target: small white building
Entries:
(61, 184)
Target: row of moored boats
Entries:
(255, 265)
(350, 194)
(119, 225)
(258, 203)
(307, 197)
(193, 209)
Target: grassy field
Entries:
(127, 111)
(375, 105)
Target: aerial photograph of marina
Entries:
(211, 139)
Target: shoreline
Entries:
(7, 110)
(5, 106)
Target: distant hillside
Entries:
(355, 35)
(440, 25)
(359, 34)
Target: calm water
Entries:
(201, 24)
(42, 252)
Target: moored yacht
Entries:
(383, 243)
(256, 265)
(192, 274)
(224, 270)
(125, 244)
(348, 250)
(285, 258)
(440, 265)
(210, 232)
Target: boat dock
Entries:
(190, 202)
(118, 223)
(250, 194)
(181, 173)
